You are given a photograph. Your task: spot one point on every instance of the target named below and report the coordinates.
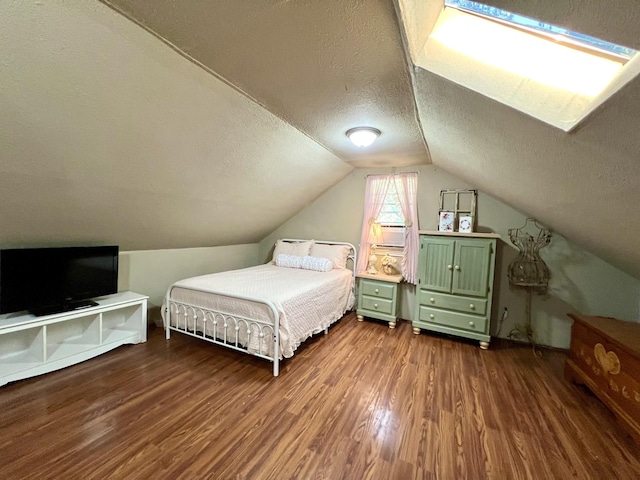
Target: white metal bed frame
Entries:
(227, 320)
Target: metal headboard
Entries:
(352, 254)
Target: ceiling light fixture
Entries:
(363, 136)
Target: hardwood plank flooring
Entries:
(364, 402)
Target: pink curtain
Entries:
(375, 192)
(407, 187)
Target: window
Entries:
(391, 212)
(552, 32)
(392, 219)
(569, 65)
(391, 203)
(556, 75)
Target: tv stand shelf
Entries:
(31, 345)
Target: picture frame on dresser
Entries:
(446, 222)
(465, 224)
(460, 204)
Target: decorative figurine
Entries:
(389, 265)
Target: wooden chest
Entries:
(605, 356)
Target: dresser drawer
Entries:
(450, 319)
(450, 302)
(377, 305)
(377, 289)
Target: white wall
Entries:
(580, 283)
(151, 272)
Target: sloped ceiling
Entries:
(582, 184)
(105, 129)
(159, 138)
(322, 66)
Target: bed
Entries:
(268, 310)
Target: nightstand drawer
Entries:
(377, 305)
(377, 289)
(450, 302)
(451, 319)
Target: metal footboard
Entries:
(244, 334)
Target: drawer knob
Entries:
(432, 316)
(471, 324)
(472, 306)
(432, 300)
(377, 290)
(449, 267)
(375, 305)
(458, 267)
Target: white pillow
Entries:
(307, 262)
(316, 263)
(289, 261)
(338, 254)
(299, 249)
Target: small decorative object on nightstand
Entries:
(378, 297)
(375, 237)
(389, 265)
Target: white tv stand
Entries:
(31, 345)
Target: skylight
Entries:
(551, 73)
(531, 56)
(551, 32)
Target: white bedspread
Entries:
(307, 301)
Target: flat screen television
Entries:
(52, 280)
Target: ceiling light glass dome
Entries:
(363, 136)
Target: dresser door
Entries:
(471, 267)
(436, 263)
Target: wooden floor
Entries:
(363, 402)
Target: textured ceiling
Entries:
(108, 136)
(322, 66)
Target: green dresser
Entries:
(455, 284)
(378, 297)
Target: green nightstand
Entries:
(378, 297)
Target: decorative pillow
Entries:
(299, 249)
(316, 263)
(289, 261)
(307, 262)
(338, 254)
